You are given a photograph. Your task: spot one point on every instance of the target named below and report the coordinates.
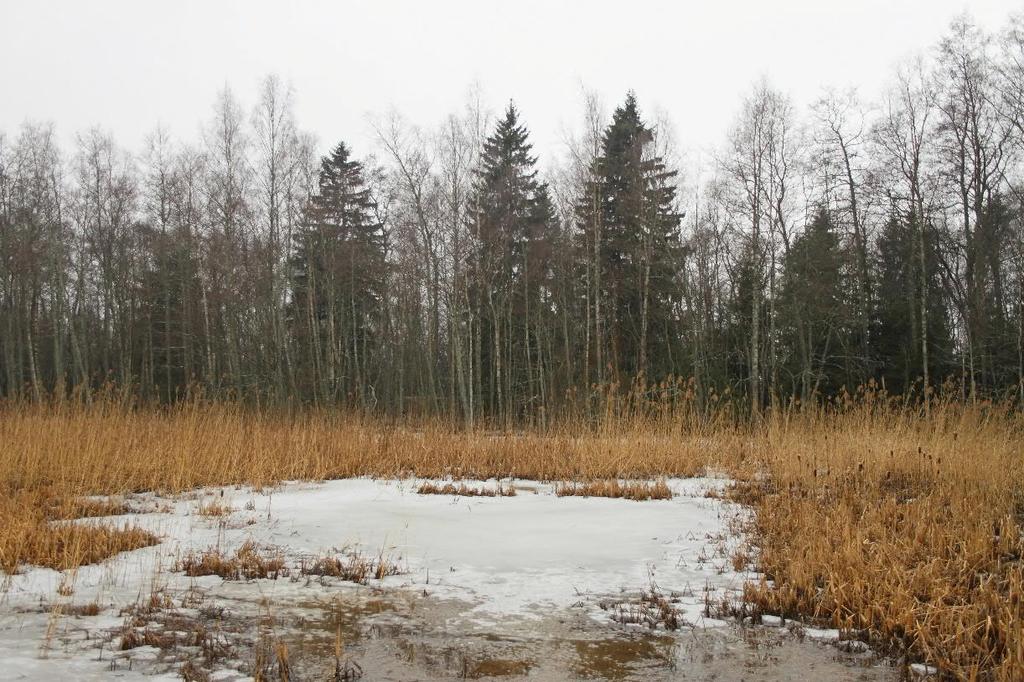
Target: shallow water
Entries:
(402, 636)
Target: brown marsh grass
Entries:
(214, 508)
(247, 563)
(900, 529)
(86, 507)
(354, 568)
(629, 490)
(34, 529)
(903, 531)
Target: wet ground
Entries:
(421, 638)
(373, 634)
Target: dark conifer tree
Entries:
(168, 282)
(511, 218)
(896, 330)
(639, 251)
(996, 358)
(338, 278)
(818, 311)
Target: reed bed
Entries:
(105, 448)
(903, 531)
(899, 527)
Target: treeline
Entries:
(854, 242)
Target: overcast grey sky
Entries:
(127, 65)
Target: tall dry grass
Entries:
(105, 448)
(901, 529)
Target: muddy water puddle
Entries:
(377, 634)
(407, 636)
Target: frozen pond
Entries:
(532, 585)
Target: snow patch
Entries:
(520, 556)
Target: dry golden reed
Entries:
(354, 568)
(33, 530)
(899, 528)
(248, 562)
(107, 449)
(214, 508)
(629, 490)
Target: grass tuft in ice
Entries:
(355, 568)
(214, 508)
(651, 608)
(630, 490)
(83, 610)
(247, 563)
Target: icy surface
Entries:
(922, 670)
(520, 556)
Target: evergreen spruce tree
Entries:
(996, 352)
(638, 249)
(897, 320)
(511, 218)
(338, 279)
(168, 280)
(817, 311)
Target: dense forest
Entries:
(450, 271)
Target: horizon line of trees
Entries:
(851, 244)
